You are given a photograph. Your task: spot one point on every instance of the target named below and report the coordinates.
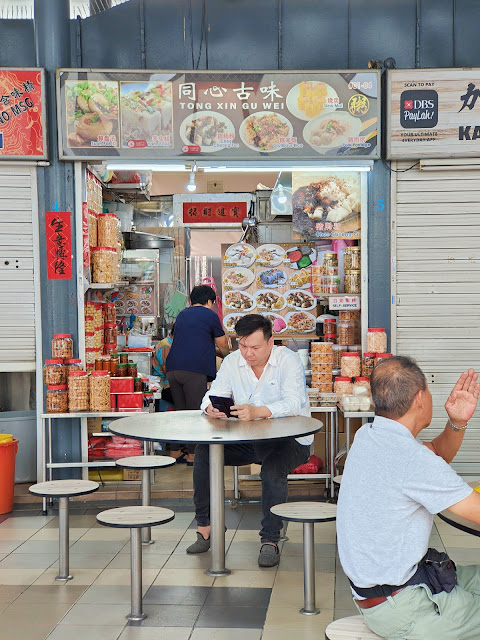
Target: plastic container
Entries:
(376, 340)
(343, 385)
(72, 364)
(322, 367)
(90, 356)
(368, 364)
(327, 399)
(89, 323)
(110, 333)
(338, 349)
(54, 372)
(98, 337)
(123, 358)
(56, 399)
(330, 337)
(349, 402)
(78, 391)
(89, 340)
(8, 451)
(62, 345)
(329, 260)
(104, 264)
(357, 348)
(351, 364)
(361, 386)
(353, 281)
(108, 229)
(110, 316)
(382, 356)
(97, 314)
(137, 382)
(100, 391)
(132, 369)
(352, 258)
(330, 326)
(346, 333)
(92, 228)
(121, 370)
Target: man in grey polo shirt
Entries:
(392, 486)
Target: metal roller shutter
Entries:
(436, 285)
(18, 255)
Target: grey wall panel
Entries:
(112, 39)
(243, 34)
(436, 33)
(167, 42)
(467, 42)
(18, 43)
(314, 34)
(382, 29)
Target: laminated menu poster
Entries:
(136, 299)
(271, 279)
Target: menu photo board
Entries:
(433, 113)
(171, 115)
(273, 280)
(23, 134)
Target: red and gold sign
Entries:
(22, 127)
(214, 212)
(59, 245)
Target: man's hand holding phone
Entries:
(214, 413)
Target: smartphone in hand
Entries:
(223, 405)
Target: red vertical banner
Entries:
(59, 245)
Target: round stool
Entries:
(307, 513)
(63, 490)
(352, 628)
(135, 518)
(146, 464)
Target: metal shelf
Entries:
(104, 286)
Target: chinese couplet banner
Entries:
(22, 116)
(59, 245)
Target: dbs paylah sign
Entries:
(59, 245)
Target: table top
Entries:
(135, 517)
(195, 426)
(63, 488)
(305, 511)
(462, 523)
(145, 462)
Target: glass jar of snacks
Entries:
(338, 349)
(97, 314)
(72, 364)
(108, 229)
(330, 326)
(90, 356)
(351, 258)
(368, 364)
(110, 333)
(343, 385)
(353, 281)
(103, 264)
(121, 371)
(330, 284)
(99, 391)
(92, 228)
(330, 259)
(89, 324)
(330, 337)
(89, 308)
(123, 358)
(89, 340)
(98, 337)
(114, 360)
(62, 345)
(137, 384)
(56, 398)
(376, 340)
(382, 356)
(348, 316)
(109, 313)
(54, 372)
(132, 370)
(346, 333)
(78, 391)
(351, 364)
(361, 386)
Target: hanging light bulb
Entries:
(282, 198)
(191, 186)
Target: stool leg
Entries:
(63, 539)
(146, 494)
(309, 607)
(136, 612)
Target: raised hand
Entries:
(462, 402)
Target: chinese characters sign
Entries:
(344, 303)
(213, 212)
(433, 113)
(171, 115)
(59, 245)
(22, 117)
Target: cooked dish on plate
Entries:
(238, 278)
(239, 301)
(331, 199)
(241, 254)
(146, 110)
(261, 131)
(301, 321)
(300, 279)
(270, 300)
(278, 323)
(329, 131)
(300, 300)
(231, 320)
(92, 111)
(206, 129)
(270, 254)
(271, 278)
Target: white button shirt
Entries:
(281, 387)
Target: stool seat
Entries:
(352, 628)
(135, 517)
(63, 488)
(145, 462)
(305, 511)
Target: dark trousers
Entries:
(277, 457)
(188, 389)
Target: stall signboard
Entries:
(344, 303)
(433, 113)
(135, 298)
(213, 212)
(327, 204)
(22, 114)
(59, 245)
(188, 115)
(271, 279)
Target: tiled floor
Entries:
(250, 604)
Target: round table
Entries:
(461, 523)
(196, 427)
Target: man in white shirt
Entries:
(391, 488)
(264, 381)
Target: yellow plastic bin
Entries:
(8, 451)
